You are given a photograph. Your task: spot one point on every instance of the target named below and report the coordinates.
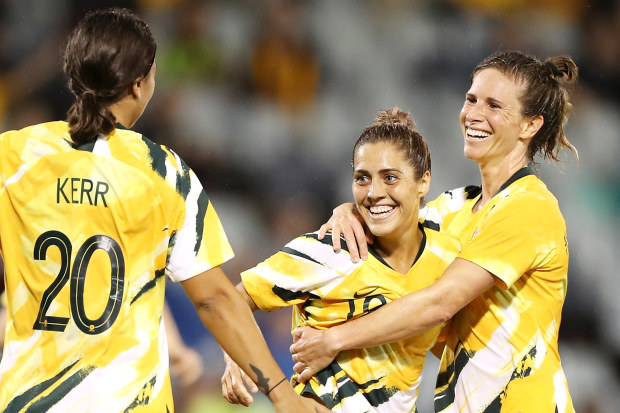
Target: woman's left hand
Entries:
(311, 351)
(237, 387)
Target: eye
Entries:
(361, 179)
(390, 179)
(494, 105)
(470, 99)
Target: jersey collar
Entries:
(523, 172)
(375, 253)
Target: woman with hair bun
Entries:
(391, 174)
(505, 290)
(93, 217)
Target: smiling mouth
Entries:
(476, 134)
(381, 211)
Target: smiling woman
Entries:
(494, 129)
(391, 175)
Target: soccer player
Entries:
(391, 174)
(505, 290)
(93, 216)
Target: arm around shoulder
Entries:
(407, 316)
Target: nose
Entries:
(472, 112)
(376, 190)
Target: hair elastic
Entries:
(555, 72)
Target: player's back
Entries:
(85, 233)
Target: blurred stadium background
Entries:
(264, 100)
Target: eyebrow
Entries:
(489, 99)
(386, 170)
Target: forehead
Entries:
(495, 84)
(379, 155)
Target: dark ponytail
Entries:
(106, 52)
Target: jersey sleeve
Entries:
(198, 243)
(516, 237)
(293, 275)
(435, 212)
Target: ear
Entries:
(531, 126)
(136, 89)
(424, 184)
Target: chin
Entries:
(471, 154)
(379, 230)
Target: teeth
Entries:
(381, 209)
(477, 133)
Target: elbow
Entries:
(206, 305)
(215, 301)
(443, 315)
(442, 311)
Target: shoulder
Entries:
(526, 207)
(320, 251)
(443, 245)
(528, 196)
(35, 141)
(43, 131)
(447, 203)
(158, 159)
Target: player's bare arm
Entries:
(237, 387)
(223, 311)
(407, 316)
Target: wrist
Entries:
(333, 343)
(281, 390)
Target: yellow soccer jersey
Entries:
(502, 354)
(327, 289)
(87, 234)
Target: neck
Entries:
(400, 252)
(121, 114)
(493, 176)
(125, 110)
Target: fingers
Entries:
(233, 388)
(370, 237)
(227, 391)
(360, 241)
(323, 230)
(305, 374)
(297, 334)
(350, 237)
(299, 367)
(336, 232)
(304, 371)
(250, 384)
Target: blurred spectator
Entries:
(601, 50)
(285, 67)
(189, 52)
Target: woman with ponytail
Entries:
(93, 218)
(504, 292)
(391, 174)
